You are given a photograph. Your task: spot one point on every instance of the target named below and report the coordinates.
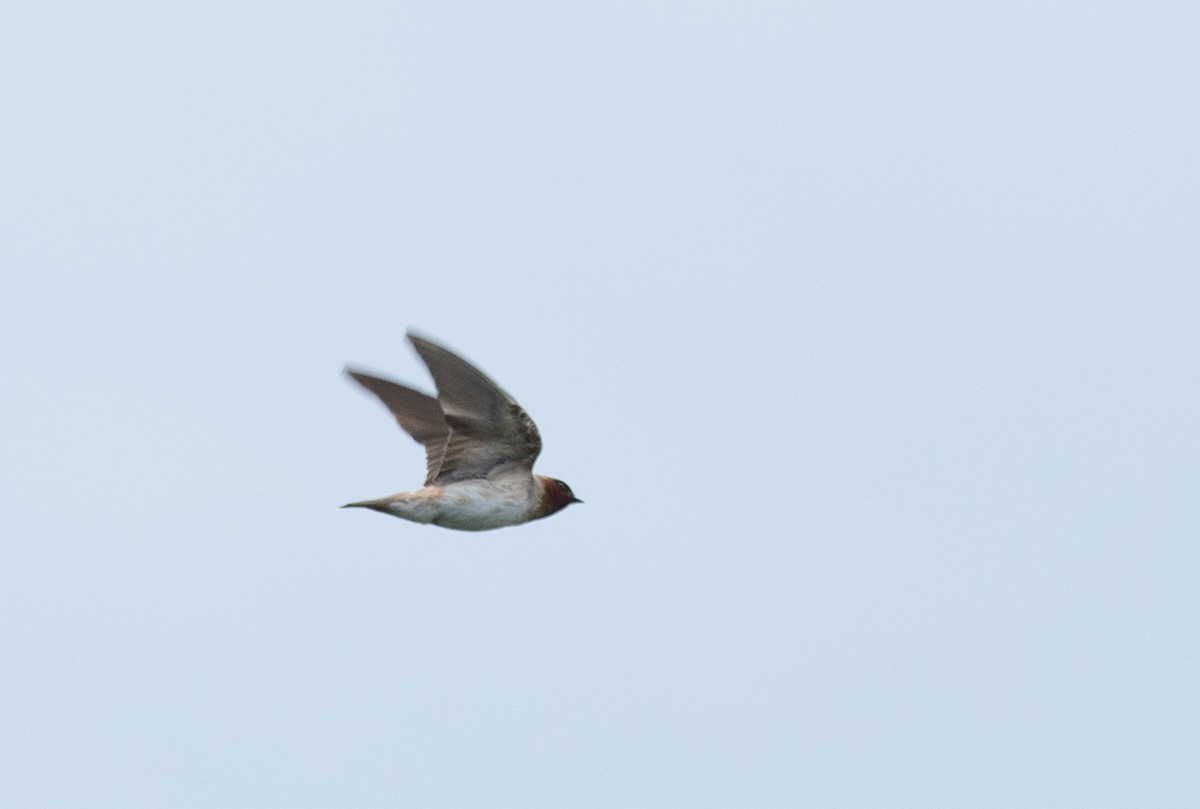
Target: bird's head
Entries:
(556, 496)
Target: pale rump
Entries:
(470, 505)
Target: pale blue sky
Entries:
(868, 332)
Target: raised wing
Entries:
(488, 429)
(418, 415)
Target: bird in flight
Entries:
(480, 446)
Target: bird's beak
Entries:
(576, 500)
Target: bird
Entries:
(480, 447)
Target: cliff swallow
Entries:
(479, 449)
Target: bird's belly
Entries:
(466, 506)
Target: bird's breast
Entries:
(470, 505)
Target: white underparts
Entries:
(470, 505)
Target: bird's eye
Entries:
(565, 487)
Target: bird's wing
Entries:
(488, 429)
(419, 415)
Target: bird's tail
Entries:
(377, 505)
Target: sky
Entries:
(867, 332)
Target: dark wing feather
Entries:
(419, 415)
(488, 429)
